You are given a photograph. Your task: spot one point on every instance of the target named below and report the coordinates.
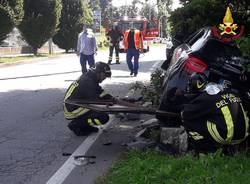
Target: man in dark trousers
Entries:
(87, 88)
(133, 45)
(114, 36)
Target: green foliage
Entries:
(156, 168)
(40, 21)
(152, 92)
(149, 12)
(102, 39)
(74, 14)
(199, 13)
(95, 5)
(11, 13)
(194, 15)
(16, 10)
(244, 44)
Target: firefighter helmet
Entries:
(102, 67)
(197, 82)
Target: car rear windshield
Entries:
(216, 51)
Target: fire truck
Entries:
(149, 29)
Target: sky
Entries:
(153, 2)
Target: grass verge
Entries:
(155, 168)
(18, 58)
(15, 59)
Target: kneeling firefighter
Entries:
(87, 87)
(215, 116)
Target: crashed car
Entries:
(203, 52)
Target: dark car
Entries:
(202, 52)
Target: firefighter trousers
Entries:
(85, 124)
(111, 50)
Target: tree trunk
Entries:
(35, 51)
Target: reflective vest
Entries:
(137, 39)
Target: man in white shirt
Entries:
(86, 48)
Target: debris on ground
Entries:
(82, 160)
(152, 135)
(142, 144)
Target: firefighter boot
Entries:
(110, 60)
(117, 60)
(81, 130)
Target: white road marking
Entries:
(62, 173)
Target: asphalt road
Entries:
(34, 133)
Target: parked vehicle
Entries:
(157, 40)
(202, 52)
(149, 29)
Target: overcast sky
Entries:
(123, 2)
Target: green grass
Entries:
(22, 58)
(155, 168)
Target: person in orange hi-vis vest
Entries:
(133, 45)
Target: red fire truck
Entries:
(149, 29)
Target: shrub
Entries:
(244, 44)
(74, 14)
(11, 13)
(40, 21)
(152, 92)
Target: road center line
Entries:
(62, 173)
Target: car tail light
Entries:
(193, 64)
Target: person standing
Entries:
(114, 36)
(133, 45)
(86, 48)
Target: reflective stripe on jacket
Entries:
(220, 118)
(76, 112)
(85, 88)
(137, 39)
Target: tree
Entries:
(149, 12)
(11, 13)
(40, 21)
(95, 5)
(194, 15)
(198, 13)
(164, 10)
(74, 14)
(104, 4)
(109, 13)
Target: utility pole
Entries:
(50, 46)
(126, 8)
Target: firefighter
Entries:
(114, 36)
(215, 116)
(87, 87)
(133, 45)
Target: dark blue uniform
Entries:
(85, 88)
